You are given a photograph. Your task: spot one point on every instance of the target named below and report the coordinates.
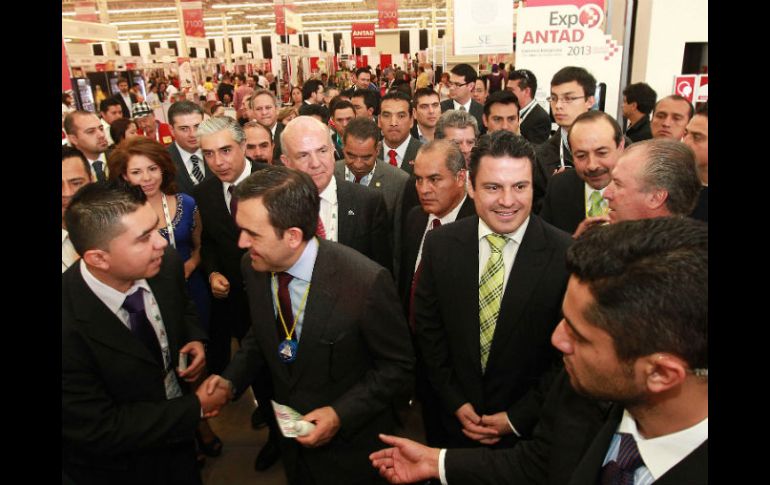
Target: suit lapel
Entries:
(170, 307)
(345, 206)
(587, 471)
(527, 268)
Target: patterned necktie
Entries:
(491, 294)
(140, 325)
(284, 299)
(320, 229)
(100, 177)
(436, 223)
(595, 202)
(233, 200)
(196, 169)
(462, 108)
(392, 156)
(621, 471)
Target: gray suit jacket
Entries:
(183, 181)
(390, 182)
(407, 164)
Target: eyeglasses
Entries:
(453, 84)
(565, 99)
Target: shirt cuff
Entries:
(441, 468)
(512, 427)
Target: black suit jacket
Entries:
(447, 323)
(548, 154)
(183, 181)
(477, 110)
(564, 202)
(277, 143)
(123, 106)
(536, 127)
(641, 130)
(220, 252)
(409, 155)
(411, 237)
(363, 222)
(568, 447)
(354, 355)
(117, 425)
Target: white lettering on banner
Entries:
(362, 33)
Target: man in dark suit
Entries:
(86, 133)
(125, 97)
(128, 415)
(697, 138)
(259, 143)
(573, 195)
(361, 166)
(638, 101)
(462, 78)
(185, 117)
(487, 300)
(340, 115)
(534, 121)
(350, 214)
(426, 109)
(264, 104)
(572, 94)
(644, 350)
(325, 323)
(399, 147)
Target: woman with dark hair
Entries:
(296, 96)
(146, 163)
(121, 129)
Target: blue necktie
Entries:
(140, 325)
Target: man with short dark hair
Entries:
(128, 415)
(342, 113)
(86, 133)
(462, 78)
(326, 325)
(366, 103)
(317, 111)
(572, 94)
(697, 138)
(488, 299)
(631, 405)
(259, 144)
(670, 117)
(638, 102)
(185, 118)
(225, 87)
(125, 97)
(501, 112)
(426, 110)
(75, 173)
(573, 195)
(110, 110)
(313, 92)
(535, 122)
(399, 147)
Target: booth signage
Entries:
(362, 35)
(685, 85)
(387, 14)
(483, 27)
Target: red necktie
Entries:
(392, 155)
(320, 230)
(358, 178)
(415, 279)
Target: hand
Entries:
(213, 394)
(189, 267)
(472, 427)
(559, 170)
(194, 368)
(588, 223)
(327, 423)
(220, 287)
(498, 422)
(406, 462)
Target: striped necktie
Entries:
(196, 169)
(595, 204)
(491, 294)
(621, 470)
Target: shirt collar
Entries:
(466, 105)
(450, 216)
(526, 108)
(588, 190)
(111, 297)
(186, 155)
(400, 150)
(516, 235)
(246, 172)
(303, 267)
(329, 194)
(366, 178)
(662, 453)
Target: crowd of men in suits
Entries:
(512, 281)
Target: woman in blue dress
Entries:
(146, 163)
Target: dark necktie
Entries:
(392, 158)
(621, 471)
(284, 299)
(436, 223)
(99, 170)
(196, 169)
(140, 325)
(358, 178)
(233, 200)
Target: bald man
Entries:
(350, 214)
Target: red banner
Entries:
(386, 60)
(362, 61)
(388, 14)
(280, 19)
(66, 83)
(362, 35)
(86, 11)
(192, 15)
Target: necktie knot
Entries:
(628, 458)
(134, 303)
(436, 223)
(496, 242)
(392, 157)
(99, 171)
(595, 200)
(462, 108)
(284, 279)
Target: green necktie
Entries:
(595, 200)
(491, 294)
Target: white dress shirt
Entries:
(467, 105)
(329, 210)
(364, 180)
(400, 151)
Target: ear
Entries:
(97, 258)
(285, 160)
(461, 176)
(657, 198)
(663, 372)
(471, 190)
(293, 237)
(590, 102)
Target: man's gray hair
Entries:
(263, 92)
(218, 123)
(455, 118)
(453, 157)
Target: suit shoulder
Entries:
(465, 228)
(558, 238)
(568, 178)
(348, 260)
(392, 172)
